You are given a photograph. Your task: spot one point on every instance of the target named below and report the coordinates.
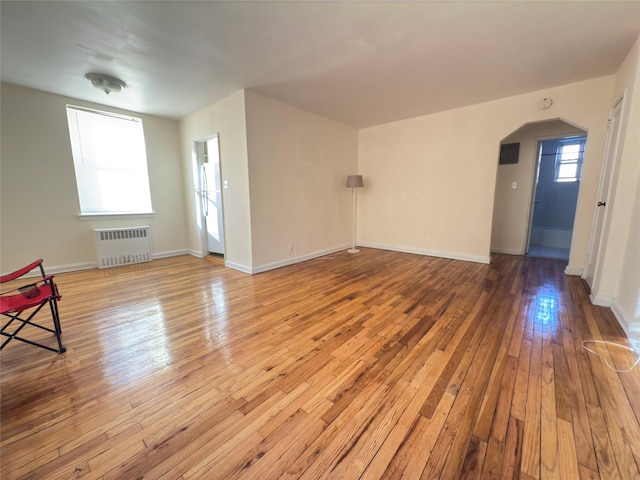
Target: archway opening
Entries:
(537, 172)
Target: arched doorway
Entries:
(515, 193)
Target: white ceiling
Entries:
(362, 63)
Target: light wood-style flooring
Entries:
(380, 365)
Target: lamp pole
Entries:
(353, 182)
(353, 244)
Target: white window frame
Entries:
(112, 175)
(566, 159)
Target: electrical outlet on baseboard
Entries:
(292, 248)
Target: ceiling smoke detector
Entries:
(545, 103)
(106, 83)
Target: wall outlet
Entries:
(292, 248)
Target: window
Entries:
(110, 160)
(569, 162)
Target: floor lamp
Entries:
(353, 182)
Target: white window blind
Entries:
(110, 161)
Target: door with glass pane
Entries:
(211, 194)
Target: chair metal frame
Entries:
(32, 296)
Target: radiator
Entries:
(123, 246)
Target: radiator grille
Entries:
(123, 246)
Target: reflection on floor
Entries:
(547, 252)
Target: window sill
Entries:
(105, 216)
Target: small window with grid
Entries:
(569, 162)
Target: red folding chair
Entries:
(26, 301)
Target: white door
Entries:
(211, 194)
(594, 255)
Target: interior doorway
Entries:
(555, 196)
(518, 172)
(209, 192)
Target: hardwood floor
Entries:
(380, 365)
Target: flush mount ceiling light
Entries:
(106, 83)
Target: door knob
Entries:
(602, 204)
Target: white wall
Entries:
(627, 298)
(286, 170)
(298, 164)
(38, 195)
(431, 179)
(227, 119)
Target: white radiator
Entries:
(123, 246)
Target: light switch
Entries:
(514, 185)
(225, 184)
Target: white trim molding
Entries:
(601, 300)
(631, 326)
(238, 267)
(571, 270)
(171, 253)
(507, 251)
(297, 259)
(74, 267)
(430, 253)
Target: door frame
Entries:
(201, 219)
(536, 174)
(609, 161)
(532, 201)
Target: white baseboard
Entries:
(601, 300)
(238, 267)
(297, 259)
(321, 253)
(171, 253)
(507, 251)
(630, 326)
(74, 267)
(272, 266)
(570, 270)
(228, 264)
(431, 253)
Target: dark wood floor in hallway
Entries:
(380, 365)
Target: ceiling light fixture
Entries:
(106, 83)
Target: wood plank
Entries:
(567, 456)
(418, 458)
(474, 459)
(520, 389)
(512, 458)
(549, 468)
(502, 411)
(492, 467)
(603, 447)
(531, 448)
(579, 415)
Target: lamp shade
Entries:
(354, 181)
